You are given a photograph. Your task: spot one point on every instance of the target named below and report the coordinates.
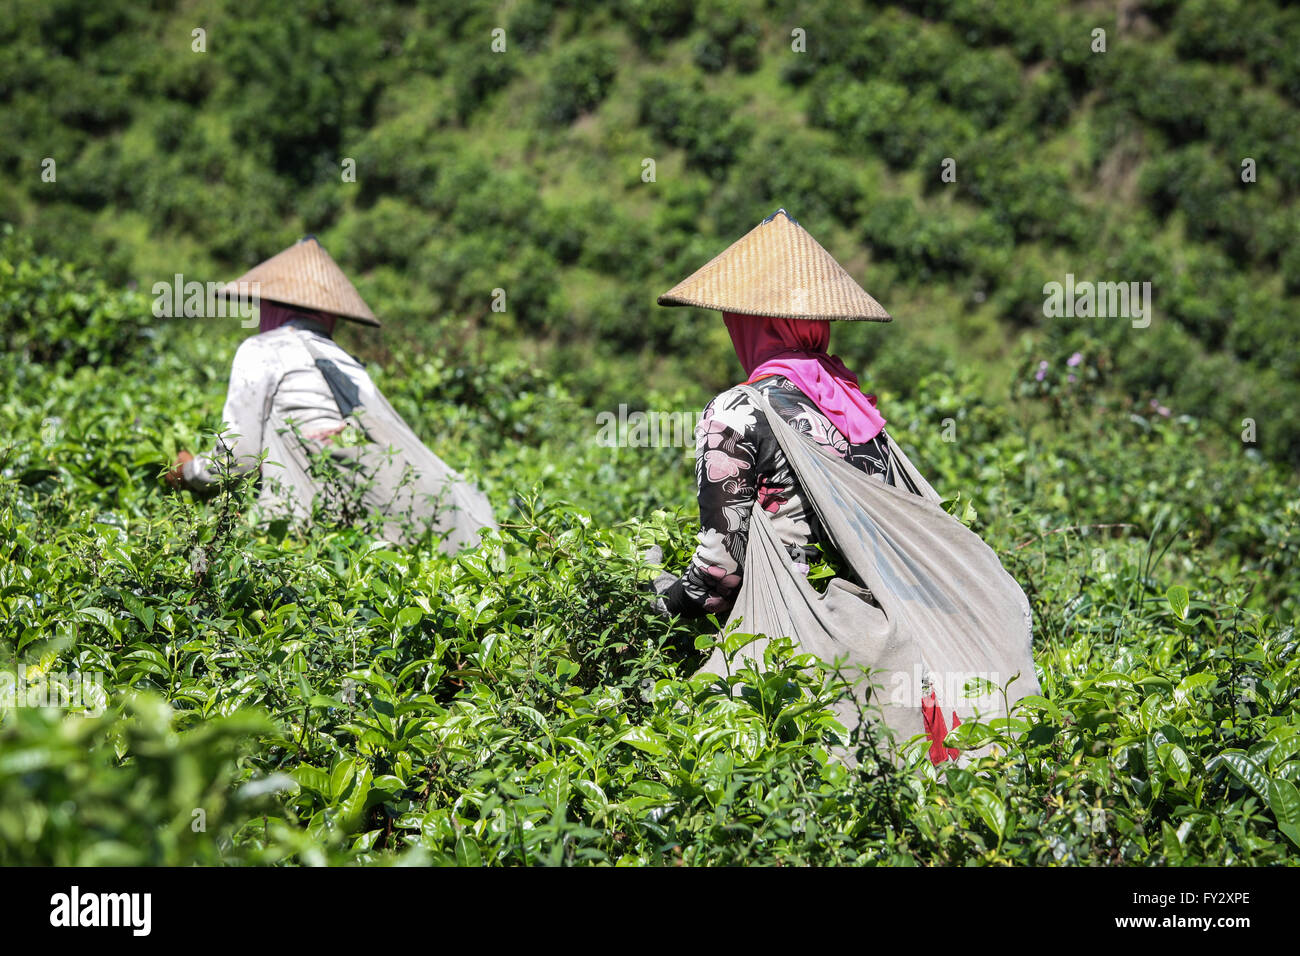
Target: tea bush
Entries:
(472, 166)
(578, 82)
(55, 313)
(273, 697)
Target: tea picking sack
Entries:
(395, 474)
(934, 607)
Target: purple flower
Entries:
(1074, 359)
(1163, 411)
(1071, 379)
(1042, 371)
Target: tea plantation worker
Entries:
(797, 456)
(309, 416)
(778, 291)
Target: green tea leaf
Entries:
(1248, 772)
(1178, 600)
(991, 810)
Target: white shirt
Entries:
(276, 387)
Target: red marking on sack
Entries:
(936, 729)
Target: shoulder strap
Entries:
(344, 390)
(912, 480)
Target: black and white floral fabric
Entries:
(738, 461)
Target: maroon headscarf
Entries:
(796, 348)
(272, 315)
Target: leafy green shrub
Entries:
(476, 75)
(615, 242)
(904, 49)
(1280, 61)
(388, 233)
(53, 313)
(1022, 25)
(731, 35)
(403, 164)
(654, 21)
(153, 795)
(830, 31)
(321, 72)
(922, 246)
(530, 23)
(889, 120)
(780, 169)
(579, 77)
(682, 114)
(1262, 126)
(562, 230)
(1175, 97)
(1033, 197)
(1290, 268)
(1223, 29)
(331, 699)
(982, 85)
(1208, 190)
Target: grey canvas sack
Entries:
(937, 608)
(399, 478)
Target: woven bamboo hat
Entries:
(304, 275)
(777, 269)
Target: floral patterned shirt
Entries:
(738, 460)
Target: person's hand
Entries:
(662, 582)
(176, 477)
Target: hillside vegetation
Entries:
(522, 171)
(327, 698)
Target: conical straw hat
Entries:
(777, 269)
(304, 275)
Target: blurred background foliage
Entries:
(521, 170)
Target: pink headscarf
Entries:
(272, 315)
(796, 348)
